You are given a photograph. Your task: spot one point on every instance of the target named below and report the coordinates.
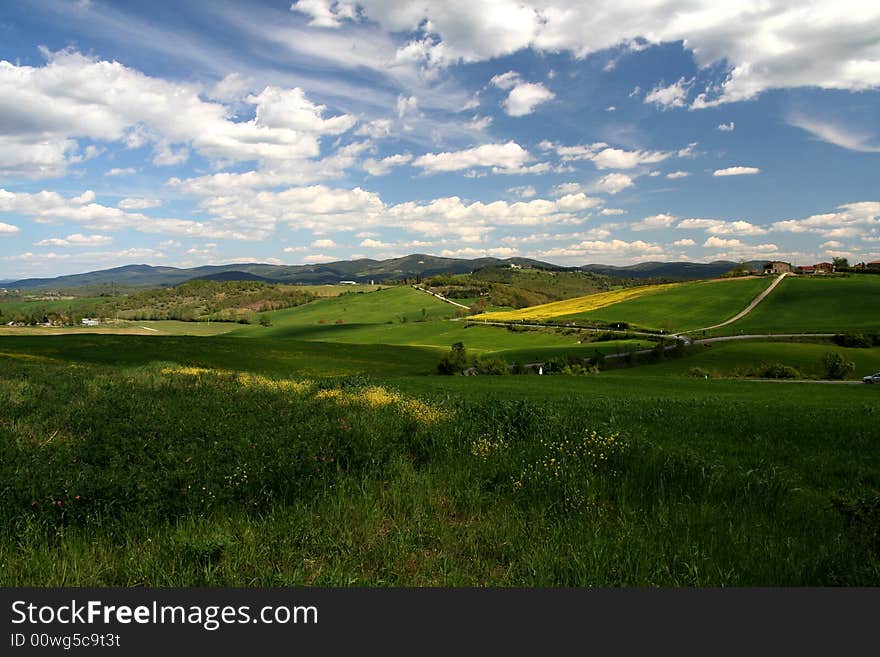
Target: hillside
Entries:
(668, 307)
(413, 266)
(362, 271)
(396, 305)
(668, 270)
(817, 304)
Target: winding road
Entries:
(758, 299)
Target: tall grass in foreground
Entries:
(163, 475)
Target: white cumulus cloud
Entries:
(736, 171)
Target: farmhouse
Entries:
(90, 322)
(348, 282)
(819, 268)
(874, 264)
(777, 267)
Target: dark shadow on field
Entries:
(271, 356)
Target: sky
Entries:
(191, 133)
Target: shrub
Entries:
(836, 366)
(853, 340)
(778, 371)
(699, 372)
(265, 321)
(492, 365)
(455, 362)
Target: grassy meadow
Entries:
(317, 449)
(669, 307)
(816, 304)
(390, 305)
(744, 358)
(164, 474)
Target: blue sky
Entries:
(571, 132)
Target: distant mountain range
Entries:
(361, 271)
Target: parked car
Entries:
(872, 378)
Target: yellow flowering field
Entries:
(368, 397)
(576, 305)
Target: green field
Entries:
(743, 358)
(392, 305)
(816, 304)
(160, 475)
(125, 327)
(318, 451)
(682, 308)
(277, 357)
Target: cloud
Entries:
(52, 207)
(523, 191)
(275, 174)
(736, 246)
(76, 240)
(318, 258)
(850, 220)
(7, 229)
(326, 13)
(128, 171)
(47, 109)
(736, 171)
(524, 97)
(654, 222)
(407, 105)
(674, 95)
(324, 244)
(505, 80)
(472, 252)
(138, 203)
(782, 45)
(384, 166)
(684, 242)
(720, 243)
(836, 134)
(567, 188)
(612, 211)
(123, 256)
(321, 208)
(727, 127)
(374, 244)
(677, 174)
(289, 109)
(504, 156)
(719, 227)
(615, 158)
(377, 129)
(699, 224)
(612, 183)
(597, 248)
(734, 228)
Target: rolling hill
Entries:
(362, 271)
(673, 306)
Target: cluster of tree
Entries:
(37, 316)
(458, 361)
(859, 340)
(223, 301)
(520, 288)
